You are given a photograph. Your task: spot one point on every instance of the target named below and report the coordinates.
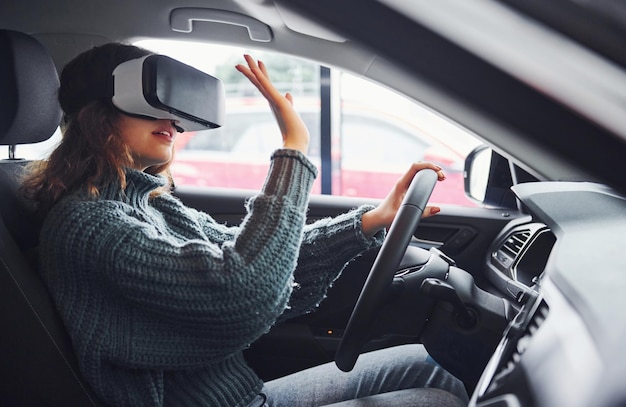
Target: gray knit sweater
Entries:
(160, 300)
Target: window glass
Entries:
(237, 154)
(383, 132)
(377, 133)
(380, 132)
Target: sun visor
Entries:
(159, 87)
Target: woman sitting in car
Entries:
(160, 300)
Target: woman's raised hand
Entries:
(294, 132)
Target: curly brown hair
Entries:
(92, 153)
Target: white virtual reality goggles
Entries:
(159, 87)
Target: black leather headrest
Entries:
(29, 109)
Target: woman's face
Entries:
(151, 142)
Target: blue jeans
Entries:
(399, 376)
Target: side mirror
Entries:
(488, 178)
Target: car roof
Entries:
(549, 97)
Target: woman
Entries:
(158, 298)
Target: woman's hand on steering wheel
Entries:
(382, 216)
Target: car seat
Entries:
(37, 363)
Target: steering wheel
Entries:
(385, 265)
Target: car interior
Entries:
(520, 297)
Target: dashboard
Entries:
(564, 266)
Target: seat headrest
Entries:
(29, 108)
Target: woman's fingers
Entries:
(263, 68)
(404, 181)
(430, 211)
(416, 167)
(294, 132)
(256, 72)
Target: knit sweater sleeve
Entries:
(328, 245)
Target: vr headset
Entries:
(159, 87)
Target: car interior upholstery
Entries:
(31, 326)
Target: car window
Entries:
(376, 133)
(248, 132)
(365, 141)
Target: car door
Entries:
(362, 139)
(464, 233)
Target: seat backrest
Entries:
(37, 363)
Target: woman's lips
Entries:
(167, 135)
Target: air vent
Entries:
(510, 249)
(514, 243)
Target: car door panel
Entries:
(462, 233)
